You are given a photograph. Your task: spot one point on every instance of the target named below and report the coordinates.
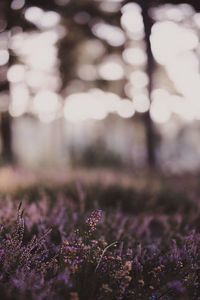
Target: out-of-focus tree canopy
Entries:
(52, 49)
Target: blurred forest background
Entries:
(100, 83)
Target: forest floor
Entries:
(99, 234)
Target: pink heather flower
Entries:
(1, 253)
(94, 219)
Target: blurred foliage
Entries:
(167, 199)
(96, 155)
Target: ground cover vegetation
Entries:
(77, 241)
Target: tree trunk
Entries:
(6, 137)
(5, 130)
(150, 131)
(5, 118)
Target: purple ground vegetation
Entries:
(65, 245)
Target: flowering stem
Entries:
(103, 254)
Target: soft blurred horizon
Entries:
(100, 84)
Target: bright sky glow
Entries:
(17, 4)
(16, 41)
(39, 74)
(167, 12)
(134, 56)
(34, 14)
(168, 40)
(16, 73)
(196, 19)
(164, 104)
(4, 57)
(132, 21)
(36, 79)
(183, 108)
(184, 71)
(46, 105)
(95, 104)
(110, 70)
(160, 109)
(175, 46)
(129, 90)
(25, 44)
(131, 6)
(83, 106)
(37, 49)
(172, 12)
(139, 79)
(19, 100)
(141, 102)
(49, 19)
(109, 100)
(187, 10)
(42, 60)
(42, 19)
(125, 108)
(113, 35)
(45, 101)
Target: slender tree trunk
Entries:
(5, 118)
(5, 130)
(6, 137)
(150, 132)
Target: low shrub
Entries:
(99, 243)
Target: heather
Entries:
(76, 240)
